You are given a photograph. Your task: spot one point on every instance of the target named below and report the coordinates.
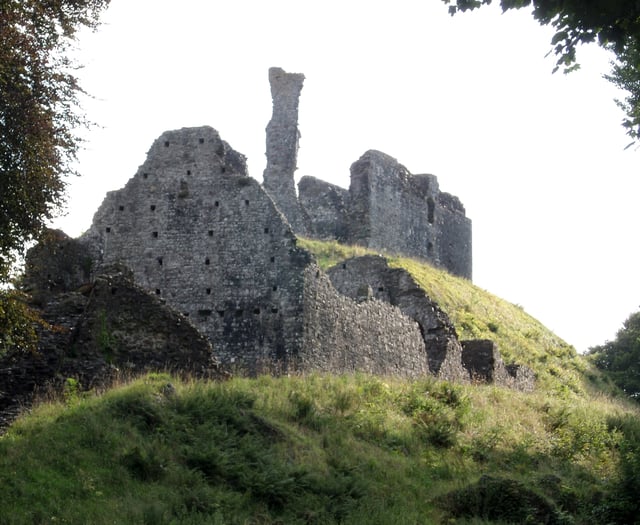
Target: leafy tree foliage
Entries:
(621, 358)
(38, 113)
(17, 322)
(613, 24)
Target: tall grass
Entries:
(314, 449)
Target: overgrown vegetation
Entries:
(319, 449)
(620, 358)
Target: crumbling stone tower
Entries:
(282, 146)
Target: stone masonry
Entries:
(194, 265)
(386, 207)
(398, 288)
(282, 147)
(203, 236)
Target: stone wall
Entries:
(207, 239)
(371, 336)
(201, 234)
(482, 358)
(326, 207)
(397, 287)
(390, 209)
(386, 207)
(282, 147)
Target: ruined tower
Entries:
(282, 146)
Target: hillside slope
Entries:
(478, 314)
(338, 449)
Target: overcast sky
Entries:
(537, 159)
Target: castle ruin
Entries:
(210, 243)
(385, 208)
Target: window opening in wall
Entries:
(166, 144)
(216, 204)
(157, 291)
(121, 208)
(344, 266)
(152, 207)
(205, 312)
(201, 141)
(154, 234)
(210, 233)
(145, 175)
(221, 313)
(107, 229)
(207, 261)
(246, 201)
(266, 230)
(113, 291)
(239, 313)
(381, 288)
(272, 259)
(160, 261)
(256, 311)
(222, 169)
(186, 314)
(275, 288)
(188, 172)
(429, 248)
(274, 310)
(208, 290)
(430, 210)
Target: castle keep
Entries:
(220, 251)
(385, 208)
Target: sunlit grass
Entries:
(310, 449)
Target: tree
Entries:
(39, 114)
(621, 358)
(614, 24)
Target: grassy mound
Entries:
(317, 449)
(338, 449)
(478, 314)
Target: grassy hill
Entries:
(338, 449)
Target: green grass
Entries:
(315, 449)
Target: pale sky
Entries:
(537, 159)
